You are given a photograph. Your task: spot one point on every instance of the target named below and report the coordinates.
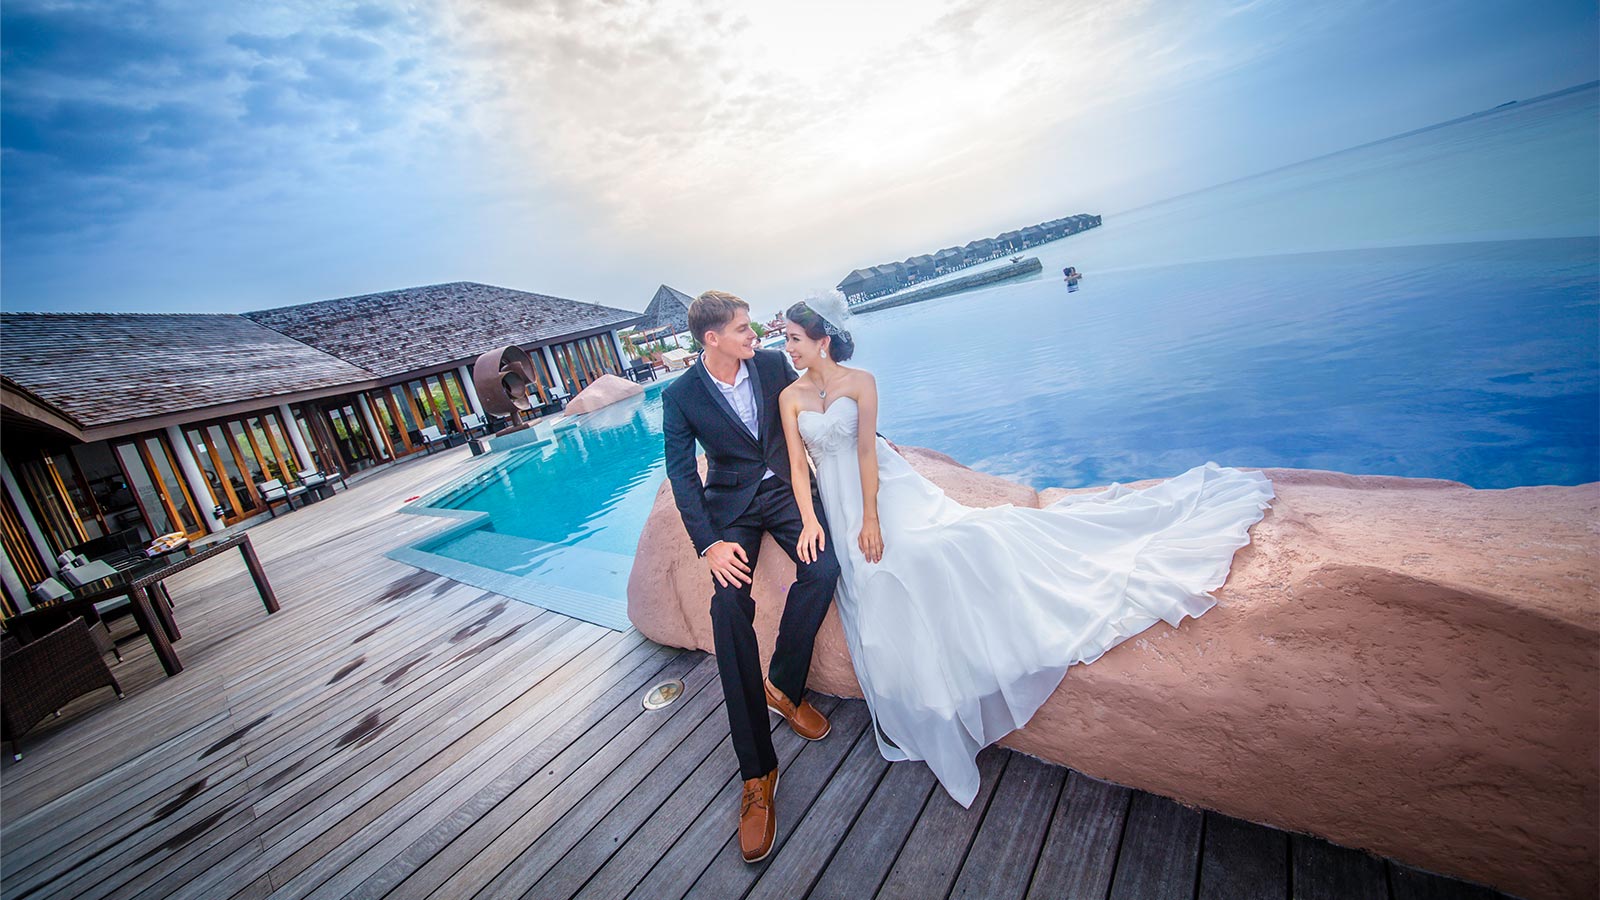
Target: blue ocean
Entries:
(1422, 306)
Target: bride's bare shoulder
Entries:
(791, 393)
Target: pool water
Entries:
(556, 524)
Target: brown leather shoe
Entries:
(806, 721)
(758, 824)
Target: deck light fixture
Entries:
(663, 694)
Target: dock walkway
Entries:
(391, 733)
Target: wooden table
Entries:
(142, 586)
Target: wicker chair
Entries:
(44, 675)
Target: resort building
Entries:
(128, 426)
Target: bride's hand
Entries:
(813, 540)
(871, 541)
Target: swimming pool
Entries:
(555, 523)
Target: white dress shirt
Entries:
(742, 397)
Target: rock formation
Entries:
(1407, 666)
(603, 391)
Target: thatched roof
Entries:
(101, 368)
(669, 308)
(421, 327)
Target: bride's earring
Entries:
(824, 354)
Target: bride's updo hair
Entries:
(841, 347)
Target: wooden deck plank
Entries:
(793, 869)
(489, 787)
(388, 822)
(534, 842)
(317, 799)
(688, 818)
(1243, 861)
(584, 858)
(932, 856)
(1322, 871)
(1001, 861)
(874, 841)
(1407, 883)
(1160, 855)
(102, 811)
(1080, 853)
(694, 730)
(412, 734)
(799, 785)
(539, 774)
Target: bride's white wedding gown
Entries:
(972, 617)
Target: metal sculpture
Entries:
(504, 379)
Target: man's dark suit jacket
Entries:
(694, 409)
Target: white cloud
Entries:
(737, 132)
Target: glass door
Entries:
(161, 494)
(349, 435)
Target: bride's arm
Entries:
(871, 539)
(812, 537)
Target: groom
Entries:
(728, 401)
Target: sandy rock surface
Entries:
(602, 392)
(1407, 666)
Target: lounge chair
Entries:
(317, 480)
(44, 675)
(432, 438)
(274, 491)
(472, 423)
(640, 370)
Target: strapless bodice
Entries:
(830, 430)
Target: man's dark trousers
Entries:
(733, 626)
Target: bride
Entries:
(961, 622)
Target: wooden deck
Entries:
(392, 733)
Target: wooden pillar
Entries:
(35, 533)
(298, 440)
(190, 470)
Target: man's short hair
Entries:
(713, 310)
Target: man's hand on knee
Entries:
(728, 563)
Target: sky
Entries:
(211, 156)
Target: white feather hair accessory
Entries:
(833, 309)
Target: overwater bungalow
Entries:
(1032, 235)
(1009, 241)
(898, 271)
(922, 266)
(950, 258)
(858, 282)
(982, 248)
(150, 424)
